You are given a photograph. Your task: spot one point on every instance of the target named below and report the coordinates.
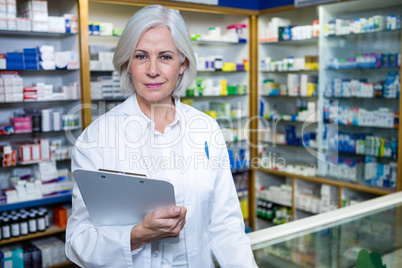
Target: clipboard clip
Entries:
(122, 172)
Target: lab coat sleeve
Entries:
(229, 243)
(87, 245)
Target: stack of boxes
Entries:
(15, 61)
(33, 16)
(317, 202)
(67, 60)
(28, 153)
(52, 251)
(8, 15)
(37, 12)
(102, 60)
(107, 87)
(356, 116)
(362, 25)
(43, 57)
(46, 57)
(30, 59)
(11, 89)
(278, 194)
(53, 181)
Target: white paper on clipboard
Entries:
(113, 198)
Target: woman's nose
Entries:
(153, 69)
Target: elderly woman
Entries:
(156, 63)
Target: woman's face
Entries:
(156, 66)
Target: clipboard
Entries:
(118, 199)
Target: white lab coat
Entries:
(214, 223)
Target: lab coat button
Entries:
(155, 254)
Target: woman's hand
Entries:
(158, 224)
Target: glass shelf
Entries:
(290, 97)
(361, 98)
(102, 71)
(286, 145)
(275, 201)
(291, 121)
(60, 198)
(213, 43)
(332, 181)
(43, 71)
(212, 96)
(380, 127)
(229, 119)
(334, 239)
(363, 155)
(359, 35)
(110, 100)
(305, 211)
(35, 34)
(40, 101)
(207, 71)
(286, 72)
(103, 36)
(292, 42)
(364, 69)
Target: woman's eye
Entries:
(166, 57)
(140, 56)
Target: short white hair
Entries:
(146, 18)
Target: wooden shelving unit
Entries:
(50, 231)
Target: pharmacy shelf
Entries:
(102, 71)
(329, 181)
(363, 69)
(110, 100)
(275, 202)
(214, 43)
(63, 264)
(104, 36)
(287, 145)
(35, 34)
(34, 163)
(226, 118)
(50, 231)
(280, 120)
(357, 126)
(361, 98)
(41, 71)
(287, 72)
(60, 198)
(359, 35)
(291, 42)
(289, 97)
(363, 155)
(212, 96)
(39, 101)
(214, 71)
(306, 211)
(41, 133)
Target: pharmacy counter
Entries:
(348, 237)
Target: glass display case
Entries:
(368, 234)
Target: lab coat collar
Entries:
(130, 107)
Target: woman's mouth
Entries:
(154, 85)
